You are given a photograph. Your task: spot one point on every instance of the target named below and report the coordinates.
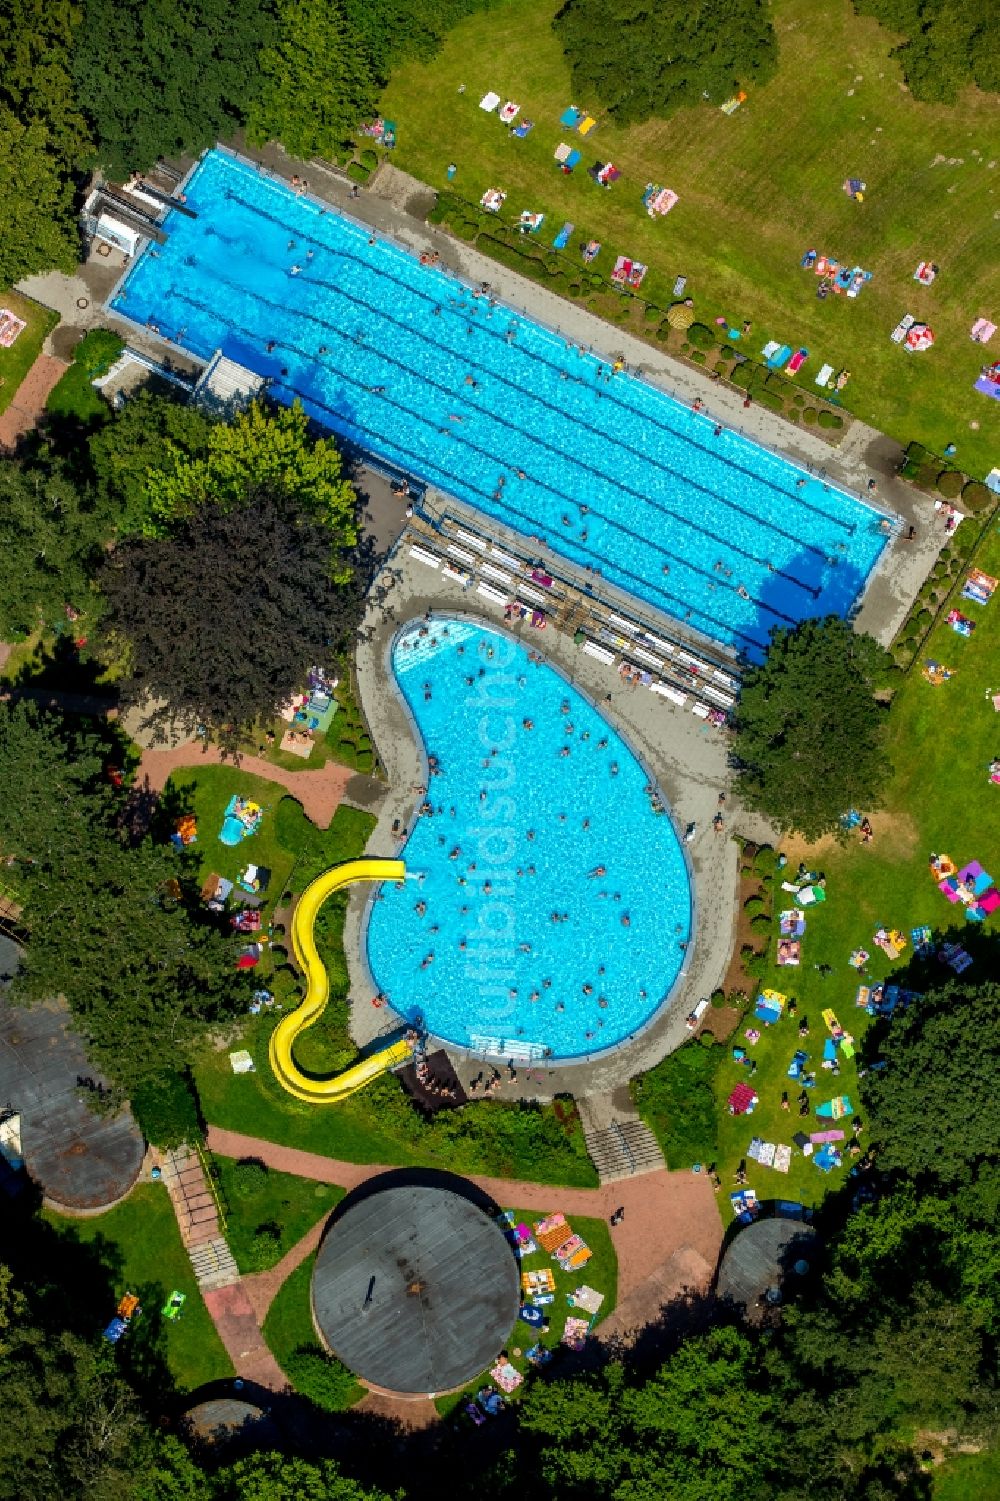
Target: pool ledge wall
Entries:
(684, 758)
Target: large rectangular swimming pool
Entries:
(488, 405)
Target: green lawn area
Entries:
(379, 1124)
(205, 791)
(968, 1477)
(140, 1240)
(16, 361)
(75, 397)
(942, 741)
(600, 1273)
(291, 1338)
(291, 1205)
(756, 190)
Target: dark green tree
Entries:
(51, 537)
(316, 81)
(73, 1426)
(115, 928)
(44, 142)
(699, 1429)
(638, 60)
(148, 436)
(393, 30)
(220, 621)
(168, 77)
(808, 732)
(931, 1110)
(275, 1477)
(947, 45)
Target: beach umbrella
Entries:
(681, 315)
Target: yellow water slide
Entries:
(326, 1091)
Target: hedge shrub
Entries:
(166, 1109)
(249, 1177)
(770, 399)
(830, 419)
(809, 416)
(743, 375)
(698, 357)
(321, 1379)
(976, 496)
(358, 173)
(369, 158)
(949, 484)
(700, 336)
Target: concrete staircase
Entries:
(619, 1143)
(213, 1264)
(198, 1218)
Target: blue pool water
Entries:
(516, 830)
(407, 361)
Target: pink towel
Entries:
(821, 1136)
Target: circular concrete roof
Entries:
(415, 1288)
(760, 1256)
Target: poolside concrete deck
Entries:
(684, 755)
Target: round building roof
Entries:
(80, 1159)
(415, 1288)
(760, 1257)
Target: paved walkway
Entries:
(235, 1318)
(667, 1244)
(320, 792)
(29, 402)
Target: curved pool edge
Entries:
(369, 897)
(690, 776)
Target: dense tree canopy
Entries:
(637, 60)
(808, 734)
(697, 1430)
(222, 619)
(941, 1068)
(50, 540)
(44, 142)
(72, 1426)
(947, 45)
(267, 448)
(151, 434)
(316, 81)
(168, 77)
(115, 928)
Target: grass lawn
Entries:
(941, 799)
(968, 1477)
(291, 1338)
(292, 1205)
(600, 1273)
(379, 1124)
(143, 1243)
(16, 361)
(205, 791)
(756, 190)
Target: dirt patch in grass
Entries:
(721, 1021)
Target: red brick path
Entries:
(234, 1317)
(668, 1242)
(318, 791)
(29, 402)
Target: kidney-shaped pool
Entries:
(553, 906)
